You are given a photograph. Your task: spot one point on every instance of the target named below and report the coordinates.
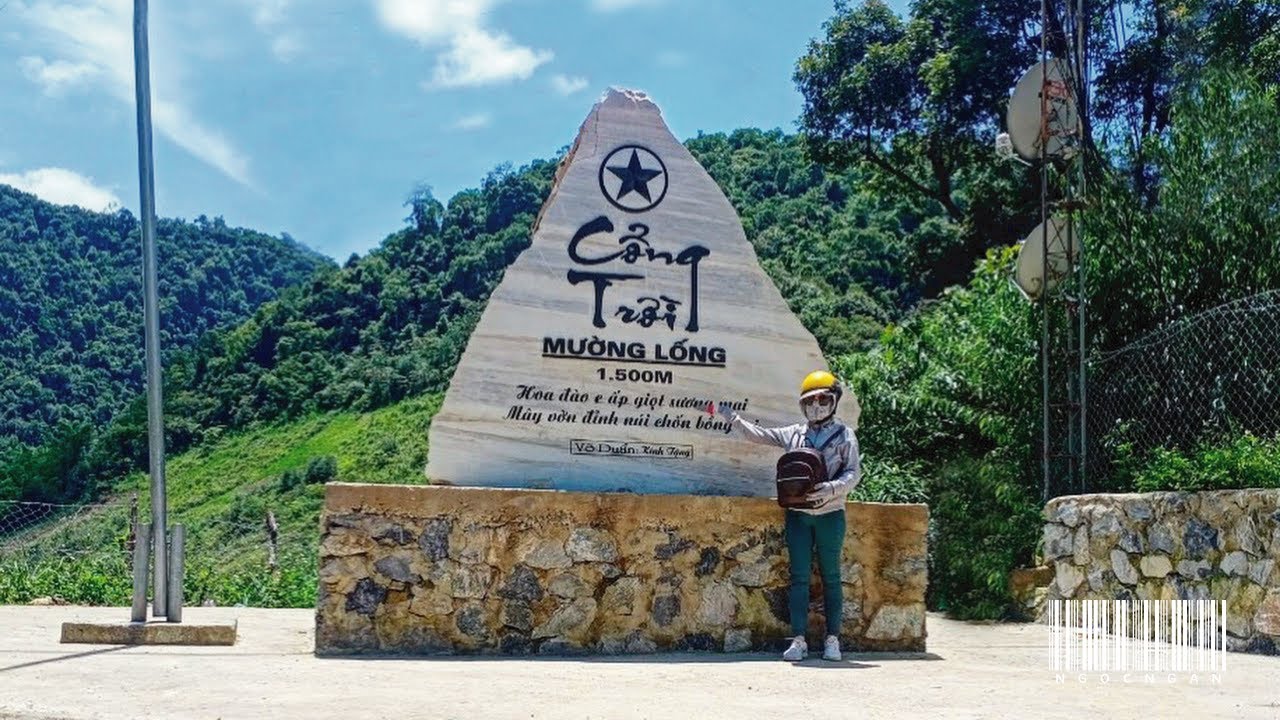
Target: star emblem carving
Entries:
(633, 178)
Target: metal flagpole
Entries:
(151, 311)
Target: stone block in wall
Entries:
(430, 569)
(1027, 586)
(1267, 618)
(1057, 541)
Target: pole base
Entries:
(157, 632)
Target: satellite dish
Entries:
(1062, 121)
(1029, 276)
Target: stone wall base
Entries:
(431, 569)
(1221, 545)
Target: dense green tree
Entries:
(1145, 53)
(1213, 232)
(71, 351)
(846, 258)
(918, 101)
(70, 294)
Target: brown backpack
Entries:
(798, 471)
(801, 469)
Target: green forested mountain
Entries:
(71, 304)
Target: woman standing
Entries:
(821, 526)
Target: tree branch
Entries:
(883, 163)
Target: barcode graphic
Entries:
(1137, 636)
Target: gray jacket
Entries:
(843, 460)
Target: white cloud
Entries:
(286, 46)
(95, 39)
(472, 54)
(180, 126)
(268, 12)
(64, 187)
(478, 57)
(475, 121)
(566, 85)
(431, 21)
(271, 19)
(613, 5)
(55, 76)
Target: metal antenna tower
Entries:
(1063, 301)
(1046, 129)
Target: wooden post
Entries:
(132, 540)
(273, 537)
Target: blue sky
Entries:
(318, 117)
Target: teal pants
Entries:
(803, 533)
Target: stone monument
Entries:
(638, 307)
(584, 495)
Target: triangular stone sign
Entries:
(638, 307)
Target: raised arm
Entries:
(755, 433)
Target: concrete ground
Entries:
(970, 671)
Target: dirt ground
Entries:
(970, 671)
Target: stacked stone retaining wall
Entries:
(427, 569)
(1219, 545)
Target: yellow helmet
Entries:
(820, 381)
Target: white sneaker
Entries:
(831, 651)
(799, 649)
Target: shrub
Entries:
(950, 419)
(888, 482)
(291, 479)
(321, 470)
(1245, 462)
(317, 471)
(982, 521)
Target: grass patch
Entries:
(222, 493)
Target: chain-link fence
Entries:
(83, 554)
(1205, 378)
